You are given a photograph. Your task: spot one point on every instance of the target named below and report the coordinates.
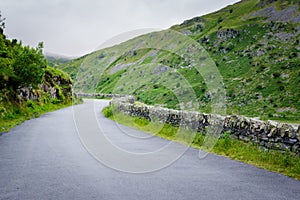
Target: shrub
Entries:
(220, 19)
(259, 87)
(55, 101)
(107, 112)
(30, 104)
(276, 75)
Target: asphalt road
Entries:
(52, 158)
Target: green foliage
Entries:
(107, 112)
(2, 23)
(20, 66)
(30, 104)
(6, 58)
(55, 72)
(29, 65)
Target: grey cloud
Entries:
(76, 27)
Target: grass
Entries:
(30, 110)
(281, 162)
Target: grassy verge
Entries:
(276, 161)
(30, 110)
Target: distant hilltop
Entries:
(254, 44)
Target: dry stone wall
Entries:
(268, 134)
(128, 98)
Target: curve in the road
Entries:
(44, 159)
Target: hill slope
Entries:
(254, 45)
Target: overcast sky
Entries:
(77, 27)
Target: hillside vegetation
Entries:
(28, 87)
(254, 44)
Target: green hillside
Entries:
(56, 60)
(254, 44)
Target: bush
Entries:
(55, 101)
(107, 112)
(259, 87)
(30, 104)
(276, 75)
(220, 19)
(281, 88)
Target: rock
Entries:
(298, 133)
(264, 139)
(160, 69)
(246, 139)
(227, 34)
(272, 133)
(287, 15)
(278, 140)
(283, 130)
(291, 141)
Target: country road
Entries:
(64, 155)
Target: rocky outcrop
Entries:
(227, 34)
(268, 134)
(55, 85)
(290, 14)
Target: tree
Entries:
(6, 69)
(20, 66)
(2, 23)
(29, 65)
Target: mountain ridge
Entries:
(254, 44)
